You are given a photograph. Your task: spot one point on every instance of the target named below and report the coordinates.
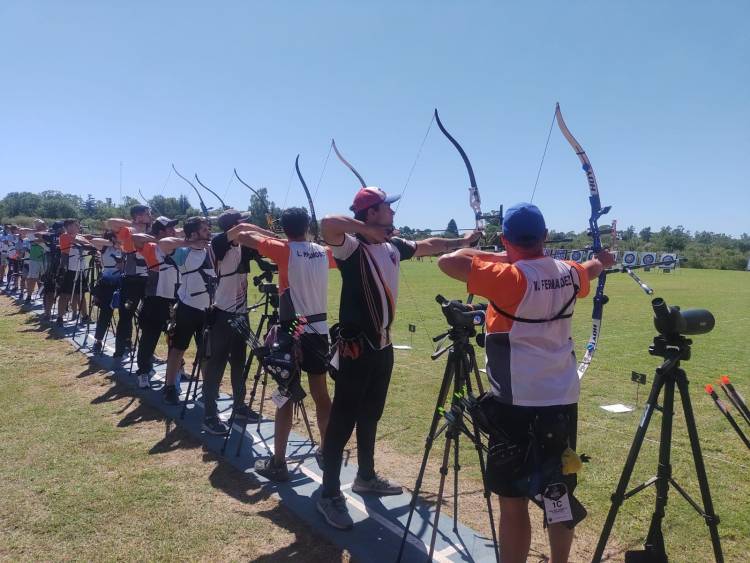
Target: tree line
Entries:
(702, 249)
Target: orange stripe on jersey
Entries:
(66, 241)
(278, 251)
(149, 255)
(125, 236)
(583, 275)
(503, 284)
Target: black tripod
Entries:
(268, 318)
(458, 371)
(673, 347)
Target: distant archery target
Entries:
(648, 258)
(668, 261)
(629, 258)
(560, 254)
(576, 255)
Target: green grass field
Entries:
(627, 332)
(88, 470)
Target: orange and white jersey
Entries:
(71, 254)
(162, 272)
(303, 279)
(530, 356)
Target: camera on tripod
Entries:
(462, 315)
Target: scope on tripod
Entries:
(671, 320)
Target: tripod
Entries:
(673, 348)
(460, 366)
(267, 319)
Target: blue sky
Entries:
(656, 92)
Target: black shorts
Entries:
(314, 353)
(189, 322)
(73, 283)
(536, 462)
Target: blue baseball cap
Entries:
(524, 225)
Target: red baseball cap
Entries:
(369, 197)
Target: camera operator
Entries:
(133, 284)
(368, 256)
(73, 285)
(230, 301)
(531, 365)
(303, 288)
(160, 293)
(192, 256)
(107, 284)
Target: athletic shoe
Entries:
(27, 301)
(335, 512)
(319, 458)
(243, 412)
(271, 471)
(97, 348)
(377, 485)
(215, 426)
(143, 382)
(170, 395)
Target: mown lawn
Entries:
(89, 473)
(626, 334)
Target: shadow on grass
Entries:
(246, 488)
(175, 438)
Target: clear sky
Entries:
(656, 92)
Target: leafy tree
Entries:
(451, 230)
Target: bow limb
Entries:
(475, 201)
(347, 164)
(223, 205)
(313, 218)
(147, 202)
(596, 212)
(269, 215)
(204, 209)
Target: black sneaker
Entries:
(215, 426)
(243, 412)
(271, 471)
(97, 348)
(27, 301)
(170, 395)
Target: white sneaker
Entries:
(143, 381)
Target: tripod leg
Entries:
(194, 375)
(619, 496)
(429, 441)
(258, 371)
(245, 372)
(655, 538)
(700, 469)
(456, 469)
(263, 385)
(449, 438)
(303, 410)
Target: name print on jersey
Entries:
(555, 283)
